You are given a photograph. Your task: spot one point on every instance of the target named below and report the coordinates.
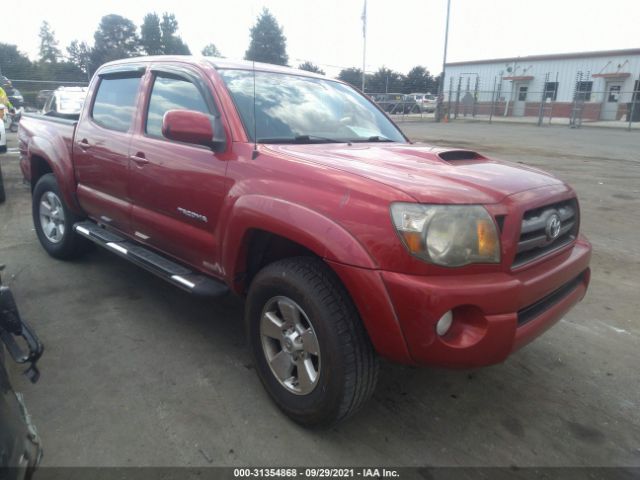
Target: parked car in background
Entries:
(42, 97)
(20, 448)
(389, 102)
(426, 101)
(65, 102)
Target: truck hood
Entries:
(427, 173)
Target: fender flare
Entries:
(56, 155)
(295, 222)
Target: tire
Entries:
(69, 244)
(345, 367)
(3, 197)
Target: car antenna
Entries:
(255, 153)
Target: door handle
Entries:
(84, 144)
(140, 159)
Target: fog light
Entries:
(444, 324)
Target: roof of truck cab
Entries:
(218, 63)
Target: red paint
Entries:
(187, 126)
(333, 199)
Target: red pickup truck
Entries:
(297, 192)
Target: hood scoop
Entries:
(459, 155)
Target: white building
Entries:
(602, 83)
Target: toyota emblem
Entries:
(553, 227)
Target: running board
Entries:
(178, 275)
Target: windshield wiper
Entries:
(300, 139)
(375, 138)
(378, 138)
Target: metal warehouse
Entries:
(590, 85)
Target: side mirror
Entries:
(189, 126)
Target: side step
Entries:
(179, 275)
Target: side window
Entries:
(115, 102)
(171, 93)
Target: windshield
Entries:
(297, 109)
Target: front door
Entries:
(177, 189)
(611, 99)
(519, 103)
(101, 149)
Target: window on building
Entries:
(583, 90)
(550, 91)
(636, 92)
(115, 102)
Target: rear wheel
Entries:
(311, 350)
(53, 221)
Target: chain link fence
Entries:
(463, 99)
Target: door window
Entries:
(522, 94)
(614, 94)
(115, 102)
(172, 93)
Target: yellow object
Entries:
(4, 100)
(413, 241)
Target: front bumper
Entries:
(494, 314)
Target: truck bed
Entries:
(42, 129)
(42, 137)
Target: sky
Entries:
(400, 34)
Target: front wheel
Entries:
(53, 221)
(311, 350)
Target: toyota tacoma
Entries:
(298, 193)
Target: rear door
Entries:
(177, 188)
(101, 147)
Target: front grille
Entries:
(532, 311)
(535, 240)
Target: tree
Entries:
(310, 67)
(151, 35)
(385, 80)
(353, 76)
(172, 44)
(115, 38)
(79, 54)
(49, 51)
(211, 51)
(419, 80)
(14, 63)
(268, 43)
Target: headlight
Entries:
(448, 235)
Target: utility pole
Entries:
(364, 43)
(439, 111)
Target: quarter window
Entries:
(115, 102)
(172, 93)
